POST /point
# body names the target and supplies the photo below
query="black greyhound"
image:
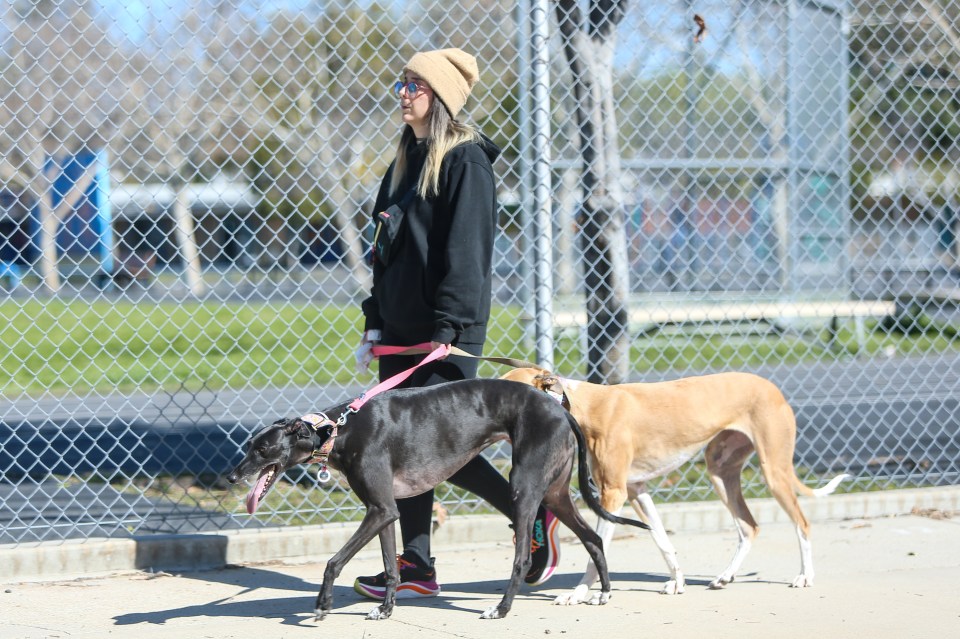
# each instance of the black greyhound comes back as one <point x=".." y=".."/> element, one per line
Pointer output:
<point x="404" y="442"/>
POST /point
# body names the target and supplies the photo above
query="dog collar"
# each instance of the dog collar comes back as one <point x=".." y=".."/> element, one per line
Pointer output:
<point x="316" y="421"/>
<point x="560" y="397"/>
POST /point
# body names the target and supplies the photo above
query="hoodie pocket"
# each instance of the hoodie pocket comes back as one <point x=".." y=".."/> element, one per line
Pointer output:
<point x="388" y="234"/>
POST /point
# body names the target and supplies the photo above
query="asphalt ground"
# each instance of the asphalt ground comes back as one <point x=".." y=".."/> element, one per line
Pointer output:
<point x="883" y="577"/>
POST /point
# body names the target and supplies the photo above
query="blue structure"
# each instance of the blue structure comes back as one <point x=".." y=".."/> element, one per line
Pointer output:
<point x="16" y="252"/>
<point x="87" y="228"/>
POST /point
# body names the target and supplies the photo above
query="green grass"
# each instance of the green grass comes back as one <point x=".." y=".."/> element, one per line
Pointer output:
<point x="58" y="346"/>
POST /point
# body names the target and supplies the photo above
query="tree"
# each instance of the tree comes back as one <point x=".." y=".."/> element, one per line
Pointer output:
<point x="316" y="89"/>
<point x="904" y="105"/>
<point x="588" y="44"/>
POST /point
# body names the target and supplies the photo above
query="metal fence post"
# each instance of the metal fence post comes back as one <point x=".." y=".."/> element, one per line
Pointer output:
<point x="543" y="224"/>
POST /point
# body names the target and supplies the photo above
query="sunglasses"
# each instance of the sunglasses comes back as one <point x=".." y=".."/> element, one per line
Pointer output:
<point x="412" y="88"/>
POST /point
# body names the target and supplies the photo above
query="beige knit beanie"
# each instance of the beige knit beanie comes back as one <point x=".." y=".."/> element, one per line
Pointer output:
<point x="451" y="73"/>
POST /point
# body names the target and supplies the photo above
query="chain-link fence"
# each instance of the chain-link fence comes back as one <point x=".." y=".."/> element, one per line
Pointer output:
<point x="186" y="189"/>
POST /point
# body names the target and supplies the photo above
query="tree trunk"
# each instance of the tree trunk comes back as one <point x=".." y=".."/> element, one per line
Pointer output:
<point x="588" y="46"/>
<point x="187" y="240"/>
<point x="330" y="172"/>
<point x="605" y="267"/>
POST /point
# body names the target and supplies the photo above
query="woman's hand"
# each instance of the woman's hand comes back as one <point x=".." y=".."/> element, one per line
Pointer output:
<point x="364" y="354"/>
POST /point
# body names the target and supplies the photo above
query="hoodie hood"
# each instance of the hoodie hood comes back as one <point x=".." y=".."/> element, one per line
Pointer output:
<point x="490" y="148"/>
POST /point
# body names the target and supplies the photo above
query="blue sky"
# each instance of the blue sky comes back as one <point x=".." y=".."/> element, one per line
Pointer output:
<point x="133" y="18"/>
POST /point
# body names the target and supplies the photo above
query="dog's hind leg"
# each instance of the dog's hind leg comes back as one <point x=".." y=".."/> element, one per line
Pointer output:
<point x="611" y="480"/>
<point x="642" y="502"/>
<point x="612" y="501"/>
<point x="581" y="594"/>
<point x="780" y="482"/>
<point x="776" y="461"/>
<point x="374" y="521"/>
<point x="725" y="457"/>
<point x="525" y="504"/>
<point x="561" y="503"/>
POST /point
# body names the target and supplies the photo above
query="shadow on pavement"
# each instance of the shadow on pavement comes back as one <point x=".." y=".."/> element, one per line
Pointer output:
<point x="298" y="610"/>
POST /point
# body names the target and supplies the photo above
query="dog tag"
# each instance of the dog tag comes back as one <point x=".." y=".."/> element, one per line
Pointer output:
<point x="323" y="475"/>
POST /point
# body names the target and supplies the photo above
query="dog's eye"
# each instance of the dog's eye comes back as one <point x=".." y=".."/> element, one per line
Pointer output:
<point x="262" y="451"/>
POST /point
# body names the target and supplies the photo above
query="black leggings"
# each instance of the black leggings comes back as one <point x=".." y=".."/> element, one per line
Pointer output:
<point x="478" y="476"/>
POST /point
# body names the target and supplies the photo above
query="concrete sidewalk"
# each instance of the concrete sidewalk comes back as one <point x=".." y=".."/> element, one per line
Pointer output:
<point x="879" y="577"/>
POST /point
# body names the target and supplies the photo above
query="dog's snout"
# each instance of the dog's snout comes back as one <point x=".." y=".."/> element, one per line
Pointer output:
<point x="233" y="477"/>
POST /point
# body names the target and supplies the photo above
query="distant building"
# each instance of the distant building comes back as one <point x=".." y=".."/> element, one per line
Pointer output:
<point x="225" y="221"/>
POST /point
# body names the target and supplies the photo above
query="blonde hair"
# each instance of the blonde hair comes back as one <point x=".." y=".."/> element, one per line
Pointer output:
<point x="445" y="134"/>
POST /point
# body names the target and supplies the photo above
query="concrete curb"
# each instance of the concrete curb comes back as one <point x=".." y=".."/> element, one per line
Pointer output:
<point x="204" y="551"/>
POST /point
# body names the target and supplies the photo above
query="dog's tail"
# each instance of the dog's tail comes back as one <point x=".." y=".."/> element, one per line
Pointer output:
<point x="823" y="491"/>
<point x="587" y="488"/>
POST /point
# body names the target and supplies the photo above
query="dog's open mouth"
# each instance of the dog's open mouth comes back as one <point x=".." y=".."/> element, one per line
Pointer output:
<point x="264" y="483"/>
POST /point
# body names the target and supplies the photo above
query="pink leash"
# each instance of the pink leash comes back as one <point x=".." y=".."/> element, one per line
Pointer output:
<point x="317" y="420"/>
<point x="387" y="384"/>
<point x="440" y="352"/>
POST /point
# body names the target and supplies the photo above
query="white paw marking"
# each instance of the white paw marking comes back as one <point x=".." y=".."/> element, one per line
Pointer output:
<point x="672" y="587"/>
<point x="377" y="614"/>
<point x="802" y="581"/>
<point x="578" y="595"/>
<point x="490" y="613"/>
<point x="720" y="583"/>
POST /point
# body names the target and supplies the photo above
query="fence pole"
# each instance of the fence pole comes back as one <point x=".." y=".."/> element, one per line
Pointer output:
<point x="527" y="229"/>
<point x="543" y="218"/>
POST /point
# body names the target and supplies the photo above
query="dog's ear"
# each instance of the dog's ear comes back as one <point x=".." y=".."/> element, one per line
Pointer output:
<point x="546" y="381"/>
<point x="298" y="427"/>
<point x="263" y="429"/>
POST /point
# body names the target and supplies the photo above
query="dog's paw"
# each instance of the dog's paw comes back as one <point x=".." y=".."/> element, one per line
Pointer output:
<point x="319" y="614"/>
<point x="576" y="596"/>
<point x="566" y="599"/>
<point x="802" y="581"/>
<point x="492" y="613"/>
<point x="600" y="599"/>
<point x="673" y="587"/>
<point x="378" y="613"/>
<point x="720" y="582"/>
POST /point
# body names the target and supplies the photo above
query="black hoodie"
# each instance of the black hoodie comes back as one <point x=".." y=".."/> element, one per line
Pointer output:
<point x="437" y="286"/>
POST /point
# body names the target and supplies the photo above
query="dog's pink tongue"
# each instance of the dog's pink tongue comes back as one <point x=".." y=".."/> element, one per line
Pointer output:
<point x="253" y="497"/>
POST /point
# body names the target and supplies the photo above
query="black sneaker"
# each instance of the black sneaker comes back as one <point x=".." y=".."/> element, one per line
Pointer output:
<point x="415" y="581"/>
<point x="544" y="548"/>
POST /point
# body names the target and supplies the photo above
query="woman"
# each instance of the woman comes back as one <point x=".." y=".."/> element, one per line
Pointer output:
<point x="432" y="283"/>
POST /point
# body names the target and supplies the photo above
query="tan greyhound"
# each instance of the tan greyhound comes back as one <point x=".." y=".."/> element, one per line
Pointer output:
<point x="638" y="432"/>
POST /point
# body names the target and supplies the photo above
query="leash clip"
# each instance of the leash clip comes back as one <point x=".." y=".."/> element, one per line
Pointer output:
<point x="342" y="420"/>
<point x="323" y="475"/>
